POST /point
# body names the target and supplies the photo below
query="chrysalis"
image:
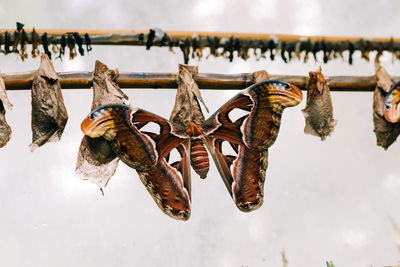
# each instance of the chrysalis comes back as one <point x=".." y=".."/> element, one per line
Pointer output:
<point x="318" y="112"/>
<point x="96" y="159"/>
<point x="49" y="115"/>
<point x="260" y="76"/>
<point x="386" y="132"/>
<point x="5" y="129"/>
<point x="186" y="110"/>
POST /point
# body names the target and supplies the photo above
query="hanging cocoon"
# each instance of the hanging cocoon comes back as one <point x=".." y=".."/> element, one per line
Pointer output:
<point x="259" y="76"/>
<point x="386" y="132"/>
<point x="318" y="112"/>
<point x="96" y="160"/>
<point x="5" y="129"/>
<point x="186" y="110"/>
<point x="49" y="115"/>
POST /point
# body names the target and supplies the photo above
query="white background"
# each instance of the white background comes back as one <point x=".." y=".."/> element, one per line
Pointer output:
<point x="335" y="200"/>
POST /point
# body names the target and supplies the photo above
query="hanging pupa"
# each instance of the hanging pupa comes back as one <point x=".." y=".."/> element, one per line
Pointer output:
<point x="259" y="76"/>
<point x="318" y="112"/>
<point x="49" y="115"/>
<point x="187" y="110"/>
<point x="5" y="129"/>
<point x="96" y="160"/>
<point x="386" y="132"/>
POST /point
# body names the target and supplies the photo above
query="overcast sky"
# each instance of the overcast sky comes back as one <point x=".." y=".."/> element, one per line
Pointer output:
<point x="334" y="200"/>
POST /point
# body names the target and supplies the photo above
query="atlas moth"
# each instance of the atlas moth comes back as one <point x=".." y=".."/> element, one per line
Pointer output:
<point x="249" y="136"/>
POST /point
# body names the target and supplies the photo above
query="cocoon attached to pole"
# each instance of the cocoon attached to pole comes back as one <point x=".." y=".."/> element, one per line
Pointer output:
<point x="49" y="115"/>
<point x="386" y="132"/>
<point x="96" y="160"/>
<point x="186" y="110"/>
<point x="319" y="111"/>
<point x="5" y="129"/>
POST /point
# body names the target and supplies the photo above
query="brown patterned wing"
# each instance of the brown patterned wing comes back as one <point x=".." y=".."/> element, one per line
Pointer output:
<point x="144" y="141"/>
<point x="242" y="172"/>
<point x="249" y="124"/>
<point x="126" y="128"/>
<point x="169" y="184"/>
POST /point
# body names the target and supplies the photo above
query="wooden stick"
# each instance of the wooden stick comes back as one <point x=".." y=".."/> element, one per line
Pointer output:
<point x="82" y="80"/>
<point x="139" y="38"/>
<point x="186" y="34"/>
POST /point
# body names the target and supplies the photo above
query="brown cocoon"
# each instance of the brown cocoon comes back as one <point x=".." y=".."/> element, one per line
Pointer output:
<point x="386" y="132"/>
<point x="5" y="129"/>
<point x="260" y="76"/>
<point x="187" y="108"/>
<point x="318" y="112"/>
<point x="96" y="159"/>
<point x="49" y="115"/>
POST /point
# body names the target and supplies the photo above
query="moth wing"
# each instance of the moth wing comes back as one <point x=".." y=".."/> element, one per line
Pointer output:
<point x="249" y="123"/>
<point x="242" y="169"/>
<point x="169" y="184"/>
<point x="243" y="174"/>
<point x="125" y="127"/>
<point x="146" y="150"/>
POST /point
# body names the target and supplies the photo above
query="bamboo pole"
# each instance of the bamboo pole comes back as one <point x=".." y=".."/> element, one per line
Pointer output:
<point x="139" y="38"/>
<point x="82" y="80"/>
<point x="229" y="45"/>
<point x="190" y="34"/>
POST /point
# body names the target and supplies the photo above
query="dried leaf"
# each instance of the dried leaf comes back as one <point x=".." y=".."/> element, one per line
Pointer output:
<point x="54" y="44"/>
<point x="185" y="47"/>
<point x="71" y="46"/>
<point x="386" y="132"/>
<point x="17" y="41"/>
<point x="24" y="40"/>
<point x="5" y="129"/>
<point x="228" y="49"/>
<point x="49" y="114"/>
<point x="45" y="44"/>
<point x="79" y="42"/>
<point x="150" y="39"/>
<point x="96" y="159"/>
<point x="35" y="43"/>
<point x="213" y="43"/>
<point x="7" y="42"/>
<point x="198" y="50"/>
<point x="187" y="109"/>
<point x="88" y="43"/>
<point x="63" y="44"/>
<point x="318" y="112"/>
<point x="244" y="49"/>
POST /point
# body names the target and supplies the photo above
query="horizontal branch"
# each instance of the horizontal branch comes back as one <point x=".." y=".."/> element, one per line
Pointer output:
<point x="82" y="80"/>
<point x="190" y="34"/>
<point x="229" y="45"/>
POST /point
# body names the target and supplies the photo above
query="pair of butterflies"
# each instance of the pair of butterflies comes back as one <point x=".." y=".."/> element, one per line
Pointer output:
<point x="250" y="135"/>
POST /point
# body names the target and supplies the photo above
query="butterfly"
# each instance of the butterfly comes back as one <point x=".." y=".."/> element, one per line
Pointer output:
<point x="392" y="108"/>
<point x="249" y="135"/>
